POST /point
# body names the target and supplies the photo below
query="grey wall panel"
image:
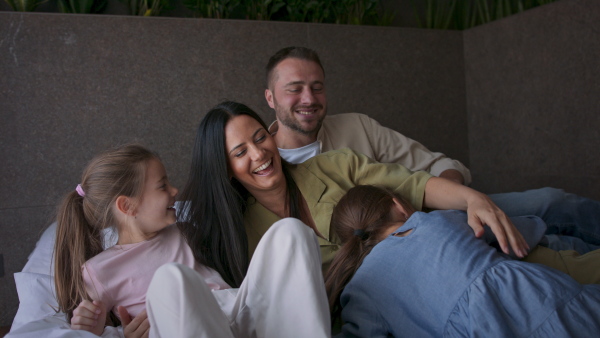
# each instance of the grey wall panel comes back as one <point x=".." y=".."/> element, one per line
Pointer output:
<point x="410" y="80"/>
<point x="534" y="99"/>
<point x="76" y="85"/>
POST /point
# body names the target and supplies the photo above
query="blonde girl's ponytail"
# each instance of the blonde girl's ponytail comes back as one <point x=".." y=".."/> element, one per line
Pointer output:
<point x="87" y="210"/>
<point x="76" y="242"/>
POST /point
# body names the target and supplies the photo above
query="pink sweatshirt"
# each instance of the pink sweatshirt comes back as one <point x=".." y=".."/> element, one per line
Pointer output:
<point x="121" y="274"/>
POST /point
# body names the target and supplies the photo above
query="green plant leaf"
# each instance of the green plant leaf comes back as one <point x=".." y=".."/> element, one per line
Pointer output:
<point x="24" y="5"/>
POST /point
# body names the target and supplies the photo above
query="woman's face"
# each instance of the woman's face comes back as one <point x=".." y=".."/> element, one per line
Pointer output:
<point x="252" y="155"/>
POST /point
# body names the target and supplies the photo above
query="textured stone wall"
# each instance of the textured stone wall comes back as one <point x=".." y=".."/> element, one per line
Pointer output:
<point x="533" y="99"/>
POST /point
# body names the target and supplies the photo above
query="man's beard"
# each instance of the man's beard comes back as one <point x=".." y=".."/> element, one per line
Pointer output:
<point x="287" y="119"/>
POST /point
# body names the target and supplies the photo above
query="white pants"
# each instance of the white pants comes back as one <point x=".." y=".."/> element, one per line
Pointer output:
<point x="283" y="294"/>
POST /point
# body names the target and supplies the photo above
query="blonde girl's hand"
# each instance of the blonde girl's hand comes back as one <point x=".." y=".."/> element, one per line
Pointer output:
<point x="137" y="327"/>
<point x="89" y="316"/>
<point x="482" y="211"/>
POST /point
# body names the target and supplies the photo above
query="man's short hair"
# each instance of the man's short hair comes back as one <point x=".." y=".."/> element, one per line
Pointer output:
<point x="301" y="53"/>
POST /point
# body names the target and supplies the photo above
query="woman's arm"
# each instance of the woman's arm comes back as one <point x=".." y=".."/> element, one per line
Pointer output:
<point x="445" y="194"/>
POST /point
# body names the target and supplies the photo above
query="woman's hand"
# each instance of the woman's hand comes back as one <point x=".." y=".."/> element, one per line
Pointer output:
<point x="136" y="327"/>
<point x="482" y="211"/>
<point x="89" y="316"/>
<point x="445" y="194"/>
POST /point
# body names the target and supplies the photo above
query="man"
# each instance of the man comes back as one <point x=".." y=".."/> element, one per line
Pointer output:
<point x="296" y="91"/>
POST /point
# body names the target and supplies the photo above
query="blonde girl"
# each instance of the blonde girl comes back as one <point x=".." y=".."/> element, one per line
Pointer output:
<point x="127" y="189"/>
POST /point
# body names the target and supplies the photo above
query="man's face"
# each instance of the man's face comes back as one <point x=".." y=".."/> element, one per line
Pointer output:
<point x="297" y="93"/>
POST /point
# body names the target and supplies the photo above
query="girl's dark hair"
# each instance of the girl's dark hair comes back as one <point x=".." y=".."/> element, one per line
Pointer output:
<point x="212" y="216"/>
<point x="360" y="220"/>
<point x="81" y="219"/>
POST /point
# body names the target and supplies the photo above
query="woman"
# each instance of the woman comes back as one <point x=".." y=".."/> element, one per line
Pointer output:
<point x="395" y="258"/>
<point x="238" y="176"/>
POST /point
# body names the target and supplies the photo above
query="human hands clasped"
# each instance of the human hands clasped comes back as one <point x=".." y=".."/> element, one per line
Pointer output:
<point x="89" y="316"/>
<point x="482" y="211"/>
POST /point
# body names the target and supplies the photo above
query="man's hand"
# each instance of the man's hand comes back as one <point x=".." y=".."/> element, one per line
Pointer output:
<point x="89" y="316"/>
<point x="134" y="327"/>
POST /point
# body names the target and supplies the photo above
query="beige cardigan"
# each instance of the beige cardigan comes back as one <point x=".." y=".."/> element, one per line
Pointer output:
<point x="366" y="136"/>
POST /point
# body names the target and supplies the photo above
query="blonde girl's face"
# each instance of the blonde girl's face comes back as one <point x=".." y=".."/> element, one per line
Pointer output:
<point x="155" y="208"/>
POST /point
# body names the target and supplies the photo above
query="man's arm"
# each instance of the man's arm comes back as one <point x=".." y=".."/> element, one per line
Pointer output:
<point x="390" y="146"/>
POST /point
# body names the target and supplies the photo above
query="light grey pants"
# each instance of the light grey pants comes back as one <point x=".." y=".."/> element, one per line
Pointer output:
<point x="283" y="294"/>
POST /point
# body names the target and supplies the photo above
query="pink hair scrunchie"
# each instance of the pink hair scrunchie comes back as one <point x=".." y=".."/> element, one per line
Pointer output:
<point x="79" y="190"/>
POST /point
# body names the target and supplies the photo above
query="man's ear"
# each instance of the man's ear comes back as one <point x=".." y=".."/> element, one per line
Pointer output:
<point x="125" y="205"/>
<point x="405" y="210"/>
<point x="269" y="97"/>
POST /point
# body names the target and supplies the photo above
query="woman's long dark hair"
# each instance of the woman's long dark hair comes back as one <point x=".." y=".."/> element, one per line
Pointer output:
<point x="212" y="213"/>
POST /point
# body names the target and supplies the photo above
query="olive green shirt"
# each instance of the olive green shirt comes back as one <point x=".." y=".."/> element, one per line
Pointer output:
<point x="323" y="180"/>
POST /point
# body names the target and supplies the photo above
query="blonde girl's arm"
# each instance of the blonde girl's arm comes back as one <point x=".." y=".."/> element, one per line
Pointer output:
<point x="89" y="316"/>
<point x="445" y="194"/>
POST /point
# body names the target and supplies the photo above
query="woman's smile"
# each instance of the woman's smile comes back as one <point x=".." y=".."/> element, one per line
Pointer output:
<point x="264" y="169"/>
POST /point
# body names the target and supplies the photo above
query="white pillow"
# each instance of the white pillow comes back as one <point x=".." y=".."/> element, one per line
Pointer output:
<point x="40" y="260"/>
<point x="37" y="315"/>
<point x="36" y="297"/>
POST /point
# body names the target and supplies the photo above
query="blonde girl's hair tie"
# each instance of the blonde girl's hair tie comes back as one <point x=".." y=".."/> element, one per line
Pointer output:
<point x="79" y="190"/>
